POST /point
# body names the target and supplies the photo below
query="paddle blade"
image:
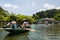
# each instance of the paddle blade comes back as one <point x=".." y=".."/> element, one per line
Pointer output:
<point x="29" y="29"/>
<point x="32" y="30"/>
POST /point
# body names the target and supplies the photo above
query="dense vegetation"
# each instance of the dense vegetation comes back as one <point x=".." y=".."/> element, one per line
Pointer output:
<point x="5" y="16"/>
<point x="52" y="13"/>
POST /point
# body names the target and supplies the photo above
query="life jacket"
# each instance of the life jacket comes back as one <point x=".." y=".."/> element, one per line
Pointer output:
<point x="14" y="26"/>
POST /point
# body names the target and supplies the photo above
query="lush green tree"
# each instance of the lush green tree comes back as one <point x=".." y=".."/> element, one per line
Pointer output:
<point x="57" y="17"/>
<point x="2" y="18"/>
<point x="39" y="15"/>
<point x="12" y="16"/>
<point x="35" y="16"/>
<point x="31" y="20"/>
<point x="48" y="13"/>
<point x="3" y="12"/>
<point x="51" y="13"/>
<point x="20" y="17"/>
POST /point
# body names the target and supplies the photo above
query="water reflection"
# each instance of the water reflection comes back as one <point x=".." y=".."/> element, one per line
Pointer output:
<point x="21" y="36"/>
<point x="3" y="34"/>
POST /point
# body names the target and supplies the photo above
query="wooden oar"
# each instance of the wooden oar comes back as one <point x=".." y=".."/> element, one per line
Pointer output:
<point x="30" y="29"/>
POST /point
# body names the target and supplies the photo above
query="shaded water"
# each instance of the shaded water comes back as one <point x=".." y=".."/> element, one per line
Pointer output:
<point x="43" y="32"/>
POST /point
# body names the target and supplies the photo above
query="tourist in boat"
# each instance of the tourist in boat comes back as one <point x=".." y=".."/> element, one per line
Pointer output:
<point x="25" y="24"/>
<point x="13" y="24"/>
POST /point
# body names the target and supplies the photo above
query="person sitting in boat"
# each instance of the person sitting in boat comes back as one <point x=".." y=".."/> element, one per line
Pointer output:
<point x="14" y="26"/>
<point x="8" y="24"/>
<point x="25" y="24"/>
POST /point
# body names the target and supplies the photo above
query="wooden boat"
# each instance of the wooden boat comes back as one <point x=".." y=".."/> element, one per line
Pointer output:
<point x="18" y="30"/>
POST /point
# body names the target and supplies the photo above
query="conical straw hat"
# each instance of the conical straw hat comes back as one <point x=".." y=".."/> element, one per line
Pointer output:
<point x="13" y="22"/>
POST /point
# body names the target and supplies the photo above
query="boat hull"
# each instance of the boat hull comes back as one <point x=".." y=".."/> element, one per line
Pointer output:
<point x="14" y="31"/>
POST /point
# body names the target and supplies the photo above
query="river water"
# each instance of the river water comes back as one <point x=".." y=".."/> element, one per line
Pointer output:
<point x="42" y="32"/>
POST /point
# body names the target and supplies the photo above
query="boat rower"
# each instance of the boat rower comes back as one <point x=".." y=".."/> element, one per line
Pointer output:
<point x="25" y="24"/>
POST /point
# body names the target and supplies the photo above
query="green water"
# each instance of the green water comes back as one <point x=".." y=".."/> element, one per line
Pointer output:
<point x="43" y="32"/>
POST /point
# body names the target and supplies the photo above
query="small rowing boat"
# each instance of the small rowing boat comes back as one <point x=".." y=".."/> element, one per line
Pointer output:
<point x="15" y="30"/>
